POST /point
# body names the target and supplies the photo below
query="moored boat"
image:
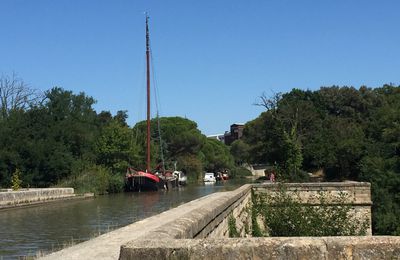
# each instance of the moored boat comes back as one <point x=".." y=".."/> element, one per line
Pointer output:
<point x="182" y="178"/>
<point x="209" y="177"/>
<point x="148" y="180"/>
<point x="142" y="181"/>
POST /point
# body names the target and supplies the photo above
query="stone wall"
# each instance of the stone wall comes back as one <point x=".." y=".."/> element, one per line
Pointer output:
<point x="199" y="218"/>
<point x="210" y="219"/>
<point x="170" y="241"/>
<point x="257" y="170"/>
<point x="358" y="195"/>
<point x="169" y="235"/>
<point x="24" y="197"/>
<point x="241" y="212"/>
<point x="265" y="248"/>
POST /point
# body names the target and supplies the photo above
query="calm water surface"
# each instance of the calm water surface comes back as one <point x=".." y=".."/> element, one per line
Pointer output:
<point x="48" y="227"/>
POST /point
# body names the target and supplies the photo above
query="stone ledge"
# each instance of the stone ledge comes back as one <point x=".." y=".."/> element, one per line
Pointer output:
<point x="310" y="185"/>
<point x="201" y="220"/>
<point x="47" y="201"/>
<point x="385" y="247"/>
<point x="32" y="196"/>
<point x="358" y="192"/>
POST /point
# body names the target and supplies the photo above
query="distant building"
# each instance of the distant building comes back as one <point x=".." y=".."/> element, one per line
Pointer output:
<point x="219" y="137"/>
<point x="235" y="134"/>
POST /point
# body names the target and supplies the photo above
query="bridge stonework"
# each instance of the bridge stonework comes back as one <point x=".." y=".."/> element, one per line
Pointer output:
<point x="357" y="194"/>
<point x="200" y="229"/>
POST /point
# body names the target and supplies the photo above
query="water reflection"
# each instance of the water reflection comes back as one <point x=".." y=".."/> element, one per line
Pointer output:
<point x="48" y="227"/>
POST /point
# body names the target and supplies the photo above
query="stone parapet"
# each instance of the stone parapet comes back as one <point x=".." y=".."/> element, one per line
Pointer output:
<point x="385" y="247"/>
<point x="358" y="193"/>
<point x="204" y="220"/>
<point x="24" y="197"/>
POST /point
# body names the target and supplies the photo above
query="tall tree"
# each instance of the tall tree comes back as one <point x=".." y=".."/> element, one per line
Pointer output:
<point x="15" y="94"/>
<point x="115" y="147"/>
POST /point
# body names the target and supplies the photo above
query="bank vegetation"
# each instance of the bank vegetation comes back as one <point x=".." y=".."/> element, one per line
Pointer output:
<point x="57" y="138"/>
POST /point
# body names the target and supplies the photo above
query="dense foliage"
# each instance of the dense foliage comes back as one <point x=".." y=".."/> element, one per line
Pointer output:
<point x="284" y="214"/>
<point x="350" y="134"/>
<point x="57" y="138"/>
<point x="182" y="146"/>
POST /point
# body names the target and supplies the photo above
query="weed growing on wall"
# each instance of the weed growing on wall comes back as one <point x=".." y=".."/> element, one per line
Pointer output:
<point x="255" y="230"/>
<point x="284" y="214"/>
<point x="232" y="227"/>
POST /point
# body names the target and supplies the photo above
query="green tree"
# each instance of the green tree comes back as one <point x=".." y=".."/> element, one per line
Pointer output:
<point x="352" y="134"/>
<point x="216" y="156"/>
<point x="115" y="147"/>
<point x="180" y="142"/>
<point x="240" y="152"/>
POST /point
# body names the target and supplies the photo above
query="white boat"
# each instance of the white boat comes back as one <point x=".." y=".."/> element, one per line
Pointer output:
<point x="181" y="176"/>
<point x="209" y="177"/>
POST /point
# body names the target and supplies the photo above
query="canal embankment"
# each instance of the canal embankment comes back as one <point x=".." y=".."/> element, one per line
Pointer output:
<point x="29" y="197"/>
<point x="188" y="220"/>
<point x="200" y="229"/>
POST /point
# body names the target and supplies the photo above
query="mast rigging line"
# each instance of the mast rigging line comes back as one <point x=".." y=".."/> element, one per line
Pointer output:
<point x="150" y="72"/>
<point x="158" y="106"/>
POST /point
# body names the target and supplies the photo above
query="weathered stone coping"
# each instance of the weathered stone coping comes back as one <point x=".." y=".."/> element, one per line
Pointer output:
<point x="202" y="220"/>
<point x="384" y="247"/>
<point x="317" y="184"/>
<point x="22" y="198"/>
<point x="359" y="193"/>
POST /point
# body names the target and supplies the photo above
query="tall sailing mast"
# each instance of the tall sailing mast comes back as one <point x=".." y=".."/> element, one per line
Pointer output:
<point x="148" y="91"/>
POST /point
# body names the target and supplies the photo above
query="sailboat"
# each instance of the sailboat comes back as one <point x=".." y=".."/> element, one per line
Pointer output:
<point x="147" y="180"/>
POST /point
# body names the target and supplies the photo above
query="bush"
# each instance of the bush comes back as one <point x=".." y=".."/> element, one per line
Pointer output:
<point x="101" y="176"/>
<point x="16" y="180"/>
<point x="192" y="166"/>
<point x="285" y="215"/>
<point x="95" y="179"/>
<point x="286" y="175"/>
<point x="116" y="183"/>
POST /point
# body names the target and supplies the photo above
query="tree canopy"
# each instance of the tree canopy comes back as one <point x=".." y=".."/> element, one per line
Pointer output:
<point x="57" y="138"/>
<point x="62" y="139"/>
<point x="349" y="133"/>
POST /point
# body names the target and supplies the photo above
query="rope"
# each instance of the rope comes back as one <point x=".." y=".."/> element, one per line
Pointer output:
<point x="156" y="98"/>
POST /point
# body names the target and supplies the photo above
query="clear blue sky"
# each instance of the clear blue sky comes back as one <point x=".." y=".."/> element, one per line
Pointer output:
<point x="212" y="58"/>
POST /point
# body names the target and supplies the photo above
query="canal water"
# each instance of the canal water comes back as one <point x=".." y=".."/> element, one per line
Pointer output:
<point x="49" y="227"/>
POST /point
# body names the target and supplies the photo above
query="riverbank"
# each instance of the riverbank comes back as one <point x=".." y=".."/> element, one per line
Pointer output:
<point x="31" y="197"/>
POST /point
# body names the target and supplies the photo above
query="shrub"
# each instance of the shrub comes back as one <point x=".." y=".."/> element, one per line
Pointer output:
<point x="116" y="183"/>
<point x="95" y="179"/>
<point x="102" y="180"/>
<point x="16" y="180"/>
<point x="285" y="215"/>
